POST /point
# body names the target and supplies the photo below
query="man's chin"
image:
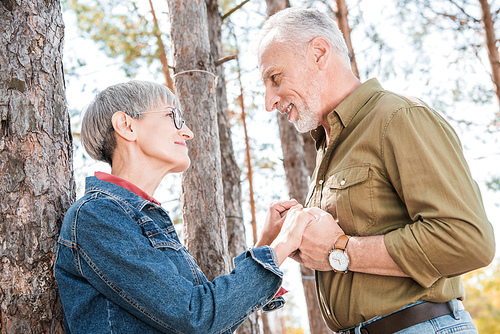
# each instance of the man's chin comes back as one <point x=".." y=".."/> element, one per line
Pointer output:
<point x="303" y="129"/>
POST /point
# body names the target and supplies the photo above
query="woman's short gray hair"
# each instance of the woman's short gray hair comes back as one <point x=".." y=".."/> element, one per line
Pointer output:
<point x="296" y="27"/>
<point x="132" y="98"/>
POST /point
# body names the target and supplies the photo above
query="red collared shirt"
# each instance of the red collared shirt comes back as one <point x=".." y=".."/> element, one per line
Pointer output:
<point x="125" y="184"/>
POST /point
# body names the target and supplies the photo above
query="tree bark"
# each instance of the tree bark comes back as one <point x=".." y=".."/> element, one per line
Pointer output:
<point x="36" y="172"/>
<point x="205" y="231"/>
<point x="343" y="22"/>
<point x="491" y="45"/>
<point x="274" y="6"/>
<point x="230" y="170"/>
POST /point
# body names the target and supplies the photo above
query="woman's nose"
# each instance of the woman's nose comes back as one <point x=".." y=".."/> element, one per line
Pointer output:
<point x="186" y="132"/>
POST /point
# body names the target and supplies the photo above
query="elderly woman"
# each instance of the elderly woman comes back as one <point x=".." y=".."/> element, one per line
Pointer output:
<point x="120" y="266"/>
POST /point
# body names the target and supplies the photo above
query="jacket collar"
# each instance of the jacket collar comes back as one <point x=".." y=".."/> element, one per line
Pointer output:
<point x="93" y="184"/>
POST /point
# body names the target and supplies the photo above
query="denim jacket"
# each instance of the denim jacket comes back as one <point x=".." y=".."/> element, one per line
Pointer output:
<point x="121" y="268"/>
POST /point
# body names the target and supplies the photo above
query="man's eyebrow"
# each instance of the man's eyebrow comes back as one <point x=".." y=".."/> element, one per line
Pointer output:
<point x="267" y="74"/>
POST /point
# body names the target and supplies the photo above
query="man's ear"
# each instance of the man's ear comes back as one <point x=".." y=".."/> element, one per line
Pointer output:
<point x="319" y="52"/>
<point x="123" y="126"/>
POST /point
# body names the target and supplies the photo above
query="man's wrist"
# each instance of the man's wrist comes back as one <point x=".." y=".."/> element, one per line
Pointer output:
<point x="338" y="258"/>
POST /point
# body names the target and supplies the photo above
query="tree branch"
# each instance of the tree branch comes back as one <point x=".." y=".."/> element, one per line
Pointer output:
<point x="225" y="59"/>
<point x="225" y="16"/>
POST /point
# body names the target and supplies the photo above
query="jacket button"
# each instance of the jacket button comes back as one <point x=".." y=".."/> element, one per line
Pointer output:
<point x="342" y="182"/>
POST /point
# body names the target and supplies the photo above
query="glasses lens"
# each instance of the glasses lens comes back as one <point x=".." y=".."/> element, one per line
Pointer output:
<point x="178" y="121"/>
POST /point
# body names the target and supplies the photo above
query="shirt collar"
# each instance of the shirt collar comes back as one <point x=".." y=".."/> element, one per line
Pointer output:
<point x="125" y="184"/>
<point x="349" y="107"/>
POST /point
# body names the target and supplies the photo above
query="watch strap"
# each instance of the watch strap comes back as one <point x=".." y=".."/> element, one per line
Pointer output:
<point x="341" y="242"/>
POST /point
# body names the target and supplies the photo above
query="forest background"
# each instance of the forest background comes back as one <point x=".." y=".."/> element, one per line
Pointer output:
<point x="432" y="49"/>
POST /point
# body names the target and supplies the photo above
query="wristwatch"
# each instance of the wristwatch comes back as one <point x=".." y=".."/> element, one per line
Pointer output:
<point x="338" y="256"/>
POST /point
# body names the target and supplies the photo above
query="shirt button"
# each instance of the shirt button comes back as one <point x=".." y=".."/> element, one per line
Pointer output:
<point x="321" y="181"/>
<point x="342" y="182"/>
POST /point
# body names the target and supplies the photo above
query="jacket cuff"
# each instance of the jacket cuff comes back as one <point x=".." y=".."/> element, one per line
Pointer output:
<point x="274" y="304"/>
<point x="265" y="256"/>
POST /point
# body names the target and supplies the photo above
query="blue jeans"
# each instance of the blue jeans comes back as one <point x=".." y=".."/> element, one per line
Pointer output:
<point x="459" y="321"/>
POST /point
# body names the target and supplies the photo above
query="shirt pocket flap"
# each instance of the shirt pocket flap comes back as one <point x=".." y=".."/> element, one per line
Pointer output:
<point x="158" y="237"/>
<point x="347" y="177"/>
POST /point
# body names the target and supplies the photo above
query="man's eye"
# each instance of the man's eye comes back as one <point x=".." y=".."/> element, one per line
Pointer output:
<point x="273" y="78"/>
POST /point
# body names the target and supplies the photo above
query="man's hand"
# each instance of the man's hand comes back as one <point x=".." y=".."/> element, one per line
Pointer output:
<point x="274" y="221"/>
<point x="317" y="241"/>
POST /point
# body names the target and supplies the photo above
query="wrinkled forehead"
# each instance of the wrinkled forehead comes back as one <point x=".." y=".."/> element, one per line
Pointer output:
<point x="265" y="43"/>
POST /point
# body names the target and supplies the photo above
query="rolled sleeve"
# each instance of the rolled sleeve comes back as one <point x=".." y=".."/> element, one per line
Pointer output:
<point x="448" y="233"/>
<point x="266" y="257"/>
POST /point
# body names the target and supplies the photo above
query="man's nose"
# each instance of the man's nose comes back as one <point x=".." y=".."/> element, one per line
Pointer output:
<point x="272" y="99"/>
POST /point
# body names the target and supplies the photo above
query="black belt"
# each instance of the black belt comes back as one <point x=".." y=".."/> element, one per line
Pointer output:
<point x="405" y="318"/>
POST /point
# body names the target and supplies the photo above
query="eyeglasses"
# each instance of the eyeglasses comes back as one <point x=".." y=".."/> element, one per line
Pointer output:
<point x="176" y="116"/>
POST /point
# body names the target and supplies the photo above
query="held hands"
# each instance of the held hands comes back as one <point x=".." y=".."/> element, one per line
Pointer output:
<point x="274" y="220"/>
<point x="317" y="241"/>
<point x="306" y="235"/>
<point x="289" y="237"/>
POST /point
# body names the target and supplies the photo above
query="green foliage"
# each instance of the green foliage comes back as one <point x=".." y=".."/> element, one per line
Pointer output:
<point x="121" y="29"/>
<point x="494" y="184"/>
<point x="456" y="23"/>
<point x="483" y="297"/>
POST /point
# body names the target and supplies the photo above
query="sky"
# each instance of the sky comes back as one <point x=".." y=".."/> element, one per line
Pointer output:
<point x="483" y="157"/>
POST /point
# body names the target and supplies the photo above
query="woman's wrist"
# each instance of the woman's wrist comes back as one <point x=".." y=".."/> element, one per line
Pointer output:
<point x="282" y="250"/>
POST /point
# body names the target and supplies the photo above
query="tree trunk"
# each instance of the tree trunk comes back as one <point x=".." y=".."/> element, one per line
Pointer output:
<point x="297" y="182"/>
<point x="205" y="231"/>
<point x="36" y="171"/>
<point x="343" y="23"/>
<point x="274" y="6"/>
<point x="491" y="45"/>
<point x="230" y="170"/>
<point x="309" y="152"/>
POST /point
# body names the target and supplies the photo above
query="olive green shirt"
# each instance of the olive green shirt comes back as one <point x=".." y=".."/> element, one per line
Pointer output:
<point x="394" y="166"/>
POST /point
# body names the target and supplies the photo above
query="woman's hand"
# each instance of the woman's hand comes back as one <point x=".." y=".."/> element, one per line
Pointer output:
<point x="290" y="236"/>
<point x="274" y="220"/>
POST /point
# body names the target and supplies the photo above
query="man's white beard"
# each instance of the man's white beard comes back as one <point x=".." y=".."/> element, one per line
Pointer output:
<point x="307" y="121"/>
<point x="308" y="118"/>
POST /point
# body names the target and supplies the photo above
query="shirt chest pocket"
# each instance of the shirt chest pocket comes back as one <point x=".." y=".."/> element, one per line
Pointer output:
<point x="348" y="195"/>
<point x="166" y="240"/>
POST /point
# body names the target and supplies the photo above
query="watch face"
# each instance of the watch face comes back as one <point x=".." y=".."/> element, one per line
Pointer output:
<point x="338" y="260"/>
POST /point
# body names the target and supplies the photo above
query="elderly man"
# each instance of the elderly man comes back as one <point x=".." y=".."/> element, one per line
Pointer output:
<point x="406" y="218"/>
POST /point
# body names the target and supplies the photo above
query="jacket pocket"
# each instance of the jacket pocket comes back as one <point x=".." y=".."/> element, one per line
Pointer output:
<point x="350" y="196"/>
<point x="158" y="237"/>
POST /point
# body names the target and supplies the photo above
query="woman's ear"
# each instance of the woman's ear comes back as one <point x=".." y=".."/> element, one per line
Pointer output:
<point x="123" y="126"/>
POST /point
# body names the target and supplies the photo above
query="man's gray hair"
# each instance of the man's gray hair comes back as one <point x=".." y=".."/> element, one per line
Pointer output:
<point x="132" y="98"/>
<point x="296" y="27"/>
